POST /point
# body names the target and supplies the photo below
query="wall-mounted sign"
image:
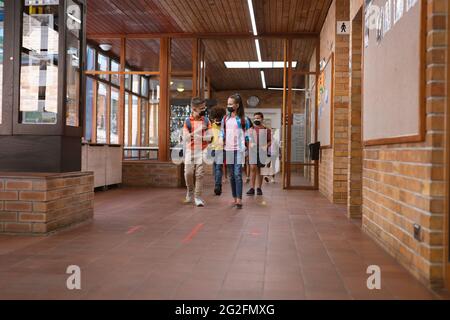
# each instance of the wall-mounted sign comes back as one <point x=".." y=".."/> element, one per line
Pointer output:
<point x="343" y="28"/>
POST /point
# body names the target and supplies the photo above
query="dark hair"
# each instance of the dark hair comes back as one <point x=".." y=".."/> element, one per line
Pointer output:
<point x="241" y="110"/>
<point x="259" y="114"/>
<point x="197" y="101"/>
<point x="217" y="113"/>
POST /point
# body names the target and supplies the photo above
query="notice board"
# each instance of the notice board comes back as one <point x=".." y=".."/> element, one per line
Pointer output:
<point x="325" y="96"/>
<point x="393" y="73"/>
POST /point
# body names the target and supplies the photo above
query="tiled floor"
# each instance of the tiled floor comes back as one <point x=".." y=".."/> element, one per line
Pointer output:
<point x="145" y="244"/>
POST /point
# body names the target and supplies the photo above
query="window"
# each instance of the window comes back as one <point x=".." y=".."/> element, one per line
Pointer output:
<point x="90" y="58"/>
<point x="127" y="129"/>
<point x="144" y="106"/>
<point x="115" y="77"/>
<point x="73" y="58"/>
<point x="136" y="83"/>
<point x="127" y="80"/>
<point x="39" y="64"/>
<point x="154" y="106"/>
<point x="89" y="108"/>
<point x="153" y="125"/>
<point x="102" y="96"/>
<point x="114" y="137"/>
<point x="144" y="87"/>
<point x="134" y="121"/>
<point x="103" y="65"/>
<point x="2" y="14"/>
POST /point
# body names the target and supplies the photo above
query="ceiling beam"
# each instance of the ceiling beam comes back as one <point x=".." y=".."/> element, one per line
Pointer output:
<point x="212" y="35"/>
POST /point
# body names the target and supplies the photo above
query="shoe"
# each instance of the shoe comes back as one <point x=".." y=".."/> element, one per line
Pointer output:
<point x="238" y="205"/>
<point x="188" y="199"/>
<point x="218" y="190"/>
<point x="266" y="179"/>
<point x="199" y="202"/>
<point x="259" y="192"/>
<point x="251" y="192"/>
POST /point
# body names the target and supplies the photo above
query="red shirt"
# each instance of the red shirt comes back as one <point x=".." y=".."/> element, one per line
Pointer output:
<point x="255" y="136"/>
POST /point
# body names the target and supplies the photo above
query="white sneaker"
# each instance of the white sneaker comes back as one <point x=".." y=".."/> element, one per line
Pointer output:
<point x="199" y="202"/>
<point x="188" y="198"/>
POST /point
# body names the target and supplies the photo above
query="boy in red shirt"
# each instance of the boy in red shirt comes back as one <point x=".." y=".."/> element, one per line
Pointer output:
<point x="196" y="137"/>
<point x="260" y="142"/>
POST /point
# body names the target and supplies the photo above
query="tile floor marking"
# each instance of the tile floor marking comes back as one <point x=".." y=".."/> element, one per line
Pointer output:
<point x="192" y="234"/>
<point x="133" y="229"/>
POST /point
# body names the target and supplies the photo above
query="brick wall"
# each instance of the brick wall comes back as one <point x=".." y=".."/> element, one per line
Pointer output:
<point x="152" y="174"/>
<point x="354" y="201"/>
<point x="403" y="184"/>
<point x="333" y="168"/>
<point x="40" y="203"/>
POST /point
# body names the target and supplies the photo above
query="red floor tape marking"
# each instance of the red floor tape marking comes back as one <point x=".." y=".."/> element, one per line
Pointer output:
<point x="133" y="229"/>
<point x="193" y="233"/>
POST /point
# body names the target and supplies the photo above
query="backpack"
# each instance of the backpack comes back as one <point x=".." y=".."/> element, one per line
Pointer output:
<point x="189" y="124"/>
<point x="189" y="127"/>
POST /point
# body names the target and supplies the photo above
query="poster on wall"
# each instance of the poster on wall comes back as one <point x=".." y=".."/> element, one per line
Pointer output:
<point x="325" y="103"/>
<point x="392" y="89"/>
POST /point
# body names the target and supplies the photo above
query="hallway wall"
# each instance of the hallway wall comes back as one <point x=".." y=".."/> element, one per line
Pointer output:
<point x="333" y="165"/>
<point x="268" y="98"/>
<point x="403" y="183"/>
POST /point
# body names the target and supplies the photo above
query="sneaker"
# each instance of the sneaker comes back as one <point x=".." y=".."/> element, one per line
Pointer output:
<point x="266" y="179"/>
<point x="199" y="202"/>
<point x="251" y="192"/>
<point x="218" y="190"/>
<point x="259" y="192"/>
<point x="188" y="198"/>
<point x="239" y="205"/>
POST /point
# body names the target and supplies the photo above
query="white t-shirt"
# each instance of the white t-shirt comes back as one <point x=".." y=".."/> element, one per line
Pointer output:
<point x="232" y="134"/>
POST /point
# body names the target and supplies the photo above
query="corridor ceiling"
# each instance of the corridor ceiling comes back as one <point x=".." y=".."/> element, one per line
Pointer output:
<point x="206" y="17"/>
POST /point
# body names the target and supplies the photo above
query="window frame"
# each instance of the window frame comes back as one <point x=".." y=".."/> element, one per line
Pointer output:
<point x="13" y="48"/>
<point x="110" y="85"/>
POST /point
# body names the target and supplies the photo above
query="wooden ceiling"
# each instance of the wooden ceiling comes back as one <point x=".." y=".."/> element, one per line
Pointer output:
<point x="209" y="16"/>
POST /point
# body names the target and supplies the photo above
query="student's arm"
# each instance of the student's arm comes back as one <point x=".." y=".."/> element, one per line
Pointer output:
<point x="208" y="133"/>
<point x="186" y="134"/>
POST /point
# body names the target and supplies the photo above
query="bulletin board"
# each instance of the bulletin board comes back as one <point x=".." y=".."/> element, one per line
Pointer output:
<point x="325" y="112"/>
<point x="393" y="73"/>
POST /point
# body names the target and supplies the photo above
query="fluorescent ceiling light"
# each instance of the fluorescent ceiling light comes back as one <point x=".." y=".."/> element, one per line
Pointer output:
<point x="260" y="64"/>
<point x="278" y="64"/>
<point x="258" y="50"/>
<point x="252" y="16"/>
<point x="257" y="64"/>
<point x="237" y="64"/>
<point x="294" y="89"/>
<point x="263" y="78"/>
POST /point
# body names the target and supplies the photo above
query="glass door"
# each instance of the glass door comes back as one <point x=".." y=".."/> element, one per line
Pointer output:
<point x="300" y="167"/>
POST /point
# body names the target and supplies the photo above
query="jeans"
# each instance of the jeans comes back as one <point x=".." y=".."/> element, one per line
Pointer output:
<point x="234" y="166"/>
<point x="218" y="172"/>
<point x="218" y="167"/>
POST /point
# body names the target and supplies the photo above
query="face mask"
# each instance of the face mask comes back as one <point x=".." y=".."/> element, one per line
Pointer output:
<point x="257" y="122"/>
<point x="230" y="109"/>
<point x="202" y="113"/>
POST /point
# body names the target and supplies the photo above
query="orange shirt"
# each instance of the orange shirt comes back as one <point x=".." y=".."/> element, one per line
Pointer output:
<point x="198" y="132"/>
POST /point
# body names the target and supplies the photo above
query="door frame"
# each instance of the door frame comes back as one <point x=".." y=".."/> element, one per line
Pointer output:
<point x="287" y="117"/>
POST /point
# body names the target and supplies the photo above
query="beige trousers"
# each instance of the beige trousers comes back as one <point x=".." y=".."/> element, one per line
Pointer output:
<point x="197" y="171"/>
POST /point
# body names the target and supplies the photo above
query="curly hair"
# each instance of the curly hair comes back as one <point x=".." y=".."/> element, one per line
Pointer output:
<point x="217" y="113"/>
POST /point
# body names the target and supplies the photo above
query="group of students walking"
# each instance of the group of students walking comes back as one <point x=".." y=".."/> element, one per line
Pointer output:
<point x="232" y="140"/>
